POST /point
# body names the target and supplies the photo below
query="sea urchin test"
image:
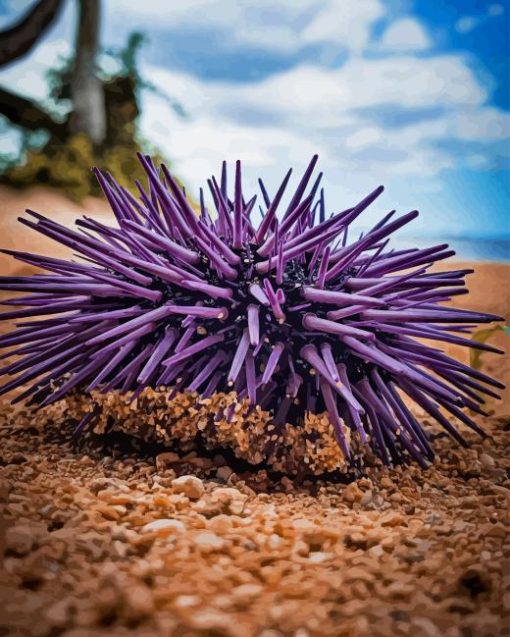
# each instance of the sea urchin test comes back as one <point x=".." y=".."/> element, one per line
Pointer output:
<point x="292" y="313"/>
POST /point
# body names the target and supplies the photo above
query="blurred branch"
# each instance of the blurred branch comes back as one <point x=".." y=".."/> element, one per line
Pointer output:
<point x="20" y="38"/>
<point x="23" y="112"/>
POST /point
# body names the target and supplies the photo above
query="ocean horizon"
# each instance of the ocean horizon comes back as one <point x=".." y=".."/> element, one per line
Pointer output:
<point x="469" y="249"/>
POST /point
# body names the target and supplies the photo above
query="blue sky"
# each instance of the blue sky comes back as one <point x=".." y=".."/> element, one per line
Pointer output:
<point x="413" y="94"/>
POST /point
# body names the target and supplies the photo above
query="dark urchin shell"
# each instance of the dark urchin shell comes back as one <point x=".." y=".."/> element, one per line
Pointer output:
<point x="288" y="313"/>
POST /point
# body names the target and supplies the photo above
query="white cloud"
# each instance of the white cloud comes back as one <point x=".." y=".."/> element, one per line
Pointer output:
<point x="286" y="25"/>
<point x="28" y="76"/>
<point x="496" y="9"/>
<point x="364" y="138"/>
<point x="486" y="124"/>
<point x="344" y="21"/>
<point x="307" y="110"/>
<point x="467" y="24"/>
<point x="327" y="97"/>
<point x="405" y="35"/>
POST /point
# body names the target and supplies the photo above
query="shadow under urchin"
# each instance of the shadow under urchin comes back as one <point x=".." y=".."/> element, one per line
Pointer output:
<point x="290" y="313"/>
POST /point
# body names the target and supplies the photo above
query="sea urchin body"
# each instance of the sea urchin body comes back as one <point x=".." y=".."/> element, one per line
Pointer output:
<point x="288" y="313"/>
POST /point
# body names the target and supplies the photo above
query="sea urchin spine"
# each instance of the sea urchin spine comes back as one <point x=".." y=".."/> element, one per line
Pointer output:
<point x="288" y="313"/>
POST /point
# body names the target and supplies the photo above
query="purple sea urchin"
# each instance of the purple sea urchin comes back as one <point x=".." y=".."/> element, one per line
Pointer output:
<point x="287" y="313"/>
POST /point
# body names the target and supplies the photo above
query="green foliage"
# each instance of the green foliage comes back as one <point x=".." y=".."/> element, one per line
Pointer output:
<point x="67" y="166"/>
<point x="123" y="62"/>
<point x="475" y="355"/>
<point x="65" y="163"/>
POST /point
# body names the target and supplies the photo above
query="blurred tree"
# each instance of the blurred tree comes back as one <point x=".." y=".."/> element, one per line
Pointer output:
<point x="21" y="37"/>
<point x="15" y="42"/>
<point x="88" y="115"/>
<point x="94" y="113"/>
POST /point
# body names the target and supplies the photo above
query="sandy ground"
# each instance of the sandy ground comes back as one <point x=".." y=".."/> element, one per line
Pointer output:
<point x="14" y="236"/>
<point x="99" y="538"/>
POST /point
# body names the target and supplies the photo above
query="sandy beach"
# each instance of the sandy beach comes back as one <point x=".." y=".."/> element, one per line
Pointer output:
<point x="100" y="538"/>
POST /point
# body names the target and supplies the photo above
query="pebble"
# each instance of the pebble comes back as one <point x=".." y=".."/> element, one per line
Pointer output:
<point x="221" y="523"/>
<point x="59" y="613"/>
<point x="387" y="483"/>
<point x="186" y="601"/>
<point x="209" y="541"/>
<point x="318" y="557"/>
<point x="166" y="459"/>
<point x="367" y="499"/>
<point x="301" y="548"/>
<point x="190" y="486"/>
<point x="231" y="498"/>
<point x="19" y="539"/>
<point x="424" y="627"/>
<point x="487" y="461"/>
<point x="387" y="554"/>
<point x="215" y="621"/>
<point x="301" y="524"/>
<point x="138" y="601"/>
<point x="224" y="473"/>
<point x="247" y="591"/>
<point x="393" y="519"/>
<point x="376" y="551"/>
<point x="352" y="493"/>
<point x="164" y="526"/>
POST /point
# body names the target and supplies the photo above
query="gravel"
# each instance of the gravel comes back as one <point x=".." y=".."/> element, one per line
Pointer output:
<point x="111" y="540"/>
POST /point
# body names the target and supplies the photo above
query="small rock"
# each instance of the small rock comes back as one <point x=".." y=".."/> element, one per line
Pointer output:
<point x="287" y="484"/>
<point x="19" y="539"/>
<point x="224" y="473"/>
<point x="367" y="498"/>
<point x="318" y="557"/>
<point x="246" y="592"/>
<point x="433" y="519"/>
<point x="209" y="541"/>
<point x="139" y="602"/>
<point x="191" y="486"/>
<point x="301" y="548"/>
<point x="400" y="589"/>
<point x="487" y="461"/>
<point x="214" y="622"/>
<point x="301" y="524"/>
<point x="17" y="458"/>
<point x="274" y="541"/>
<point x="200" y="462"/>
<point x="496" y="530"/>
<point x="58" y="614"/>
<point x="387" y="483"/>
<point x="424" y="627"/>
<point x="393" y="519"/>
<point x="164" y="526"/>
<point x="186" y="601"/>
<point x="164" y="460"/>
<point x="352" y="493"/>
<point x="232" y="499"/>
<point x="376" y="551"/>
<point x="220" y="523"/>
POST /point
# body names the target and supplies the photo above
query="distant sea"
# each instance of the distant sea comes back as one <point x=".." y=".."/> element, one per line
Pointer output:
<point x="466" y="249"/>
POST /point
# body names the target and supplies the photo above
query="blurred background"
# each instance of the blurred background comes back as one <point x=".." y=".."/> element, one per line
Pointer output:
<point x="412" y="94"/>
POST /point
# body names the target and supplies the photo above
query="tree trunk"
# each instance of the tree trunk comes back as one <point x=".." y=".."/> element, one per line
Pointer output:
<point x="87" y="93"/>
